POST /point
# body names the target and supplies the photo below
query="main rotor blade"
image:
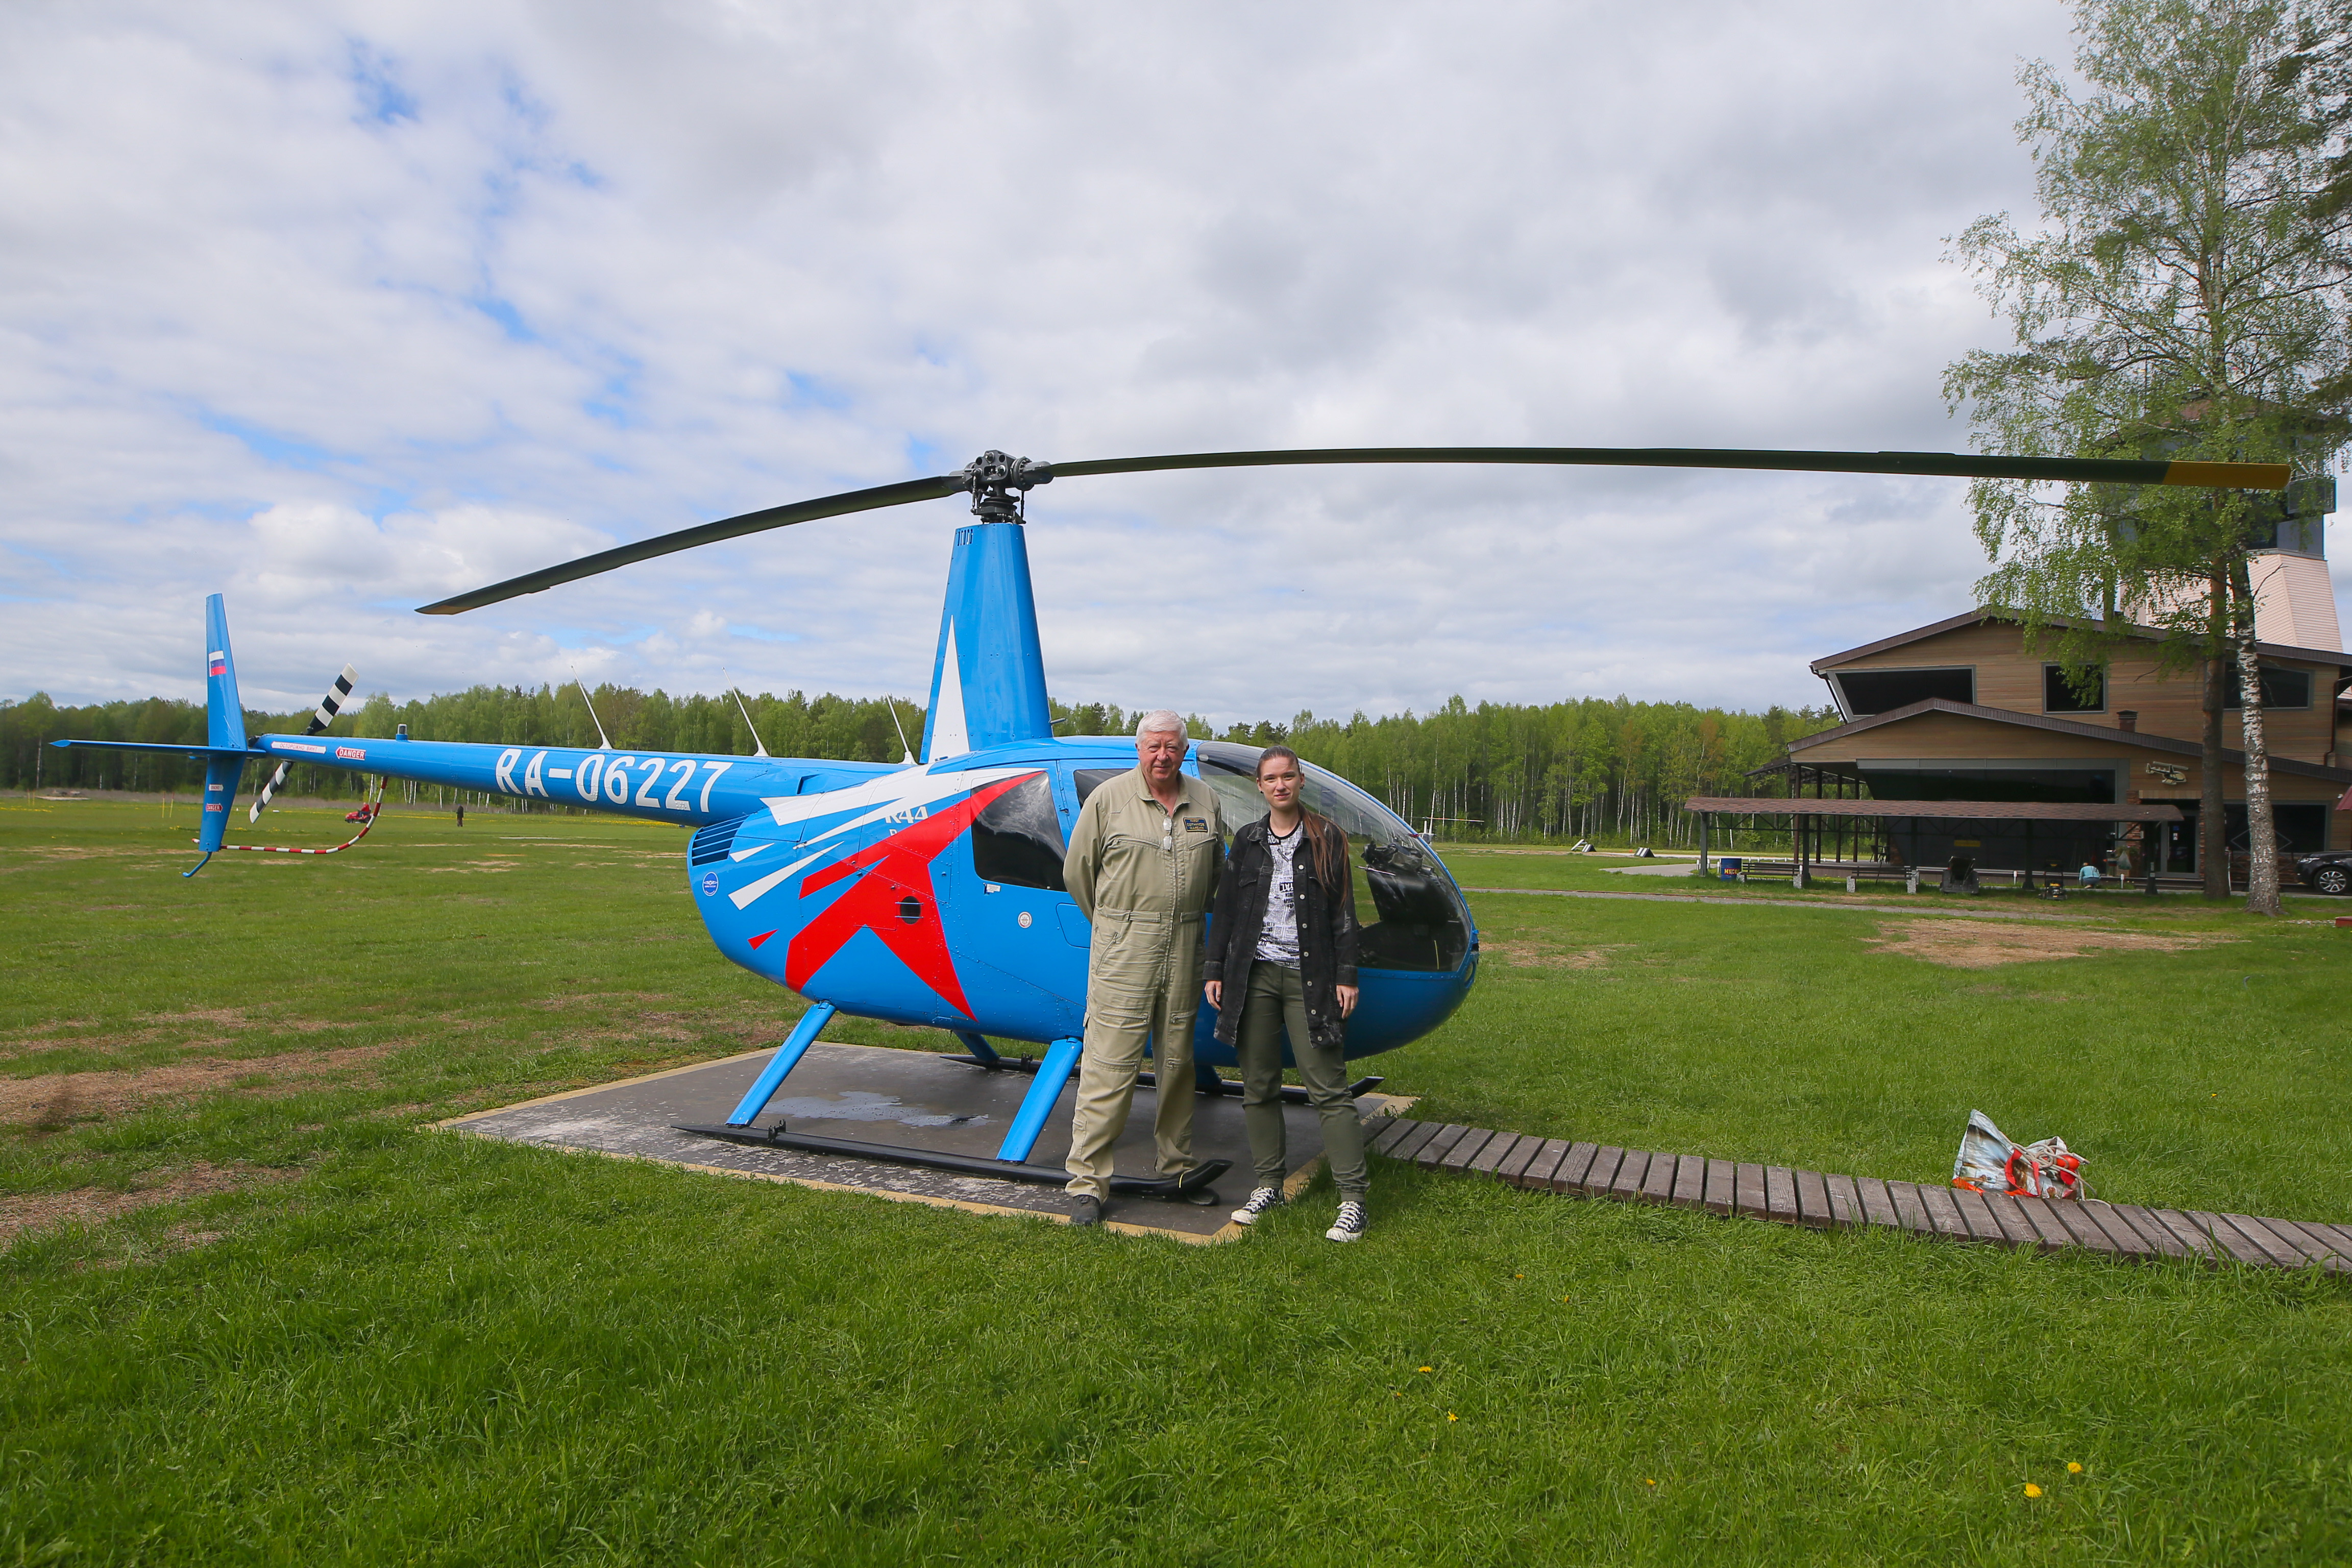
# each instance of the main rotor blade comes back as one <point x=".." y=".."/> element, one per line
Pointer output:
<point x="898" y="494"/>
<point x="1950" y="465"/>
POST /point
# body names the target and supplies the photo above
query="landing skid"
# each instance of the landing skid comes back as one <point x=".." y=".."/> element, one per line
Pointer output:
<point x="1179" y="1190"/>
<point x="1292" y="1093"/>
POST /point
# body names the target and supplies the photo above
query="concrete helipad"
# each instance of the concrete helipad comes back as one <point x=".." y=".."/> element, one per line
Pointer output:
<point x="876" y="1094"/>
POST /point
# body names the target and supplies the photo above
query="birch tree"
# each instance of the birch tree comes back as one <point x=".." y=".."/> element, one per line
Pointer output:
<point x="2181" y="297"/>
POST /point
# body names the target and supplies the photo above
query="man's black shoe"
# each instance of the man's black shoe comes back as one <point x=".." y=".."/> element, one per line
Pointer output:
<point x="1087" y="1210"/>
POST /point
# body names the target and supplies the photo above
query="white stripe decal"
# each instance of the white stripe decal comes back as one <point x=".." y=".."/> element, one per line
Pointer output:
<point x="745" y="898"/>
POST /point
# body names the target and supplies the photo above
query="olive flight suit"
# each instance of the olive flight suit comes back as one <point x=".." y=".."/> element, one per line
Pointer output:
<point x="1144" y="876"/>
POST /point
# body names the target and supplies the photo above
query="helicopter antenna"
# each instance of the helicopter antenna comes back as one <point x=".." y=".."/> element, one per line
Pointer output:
<point x="908" y="760"/>
<point x="603" y="745"/>
<point x="759" y="747"/>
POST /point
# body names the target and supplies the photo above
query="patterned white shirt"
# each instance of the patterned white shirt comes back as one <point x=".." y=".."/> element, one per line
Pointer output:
<point x="1277" y="938"/>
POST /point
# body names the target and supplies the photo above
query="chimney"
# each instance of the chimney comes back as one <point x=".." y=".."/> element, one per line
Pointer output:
<point x="2129" y="719"/>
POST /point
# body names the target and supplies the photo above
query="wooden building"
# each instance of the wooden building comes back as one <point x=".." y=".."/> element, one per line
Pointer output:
<point x="1966" y="710"/>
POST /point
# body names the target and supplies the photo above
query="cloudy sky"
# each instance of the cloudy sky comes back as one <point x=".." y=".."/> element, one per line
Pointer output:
<point x="341" y="308"/>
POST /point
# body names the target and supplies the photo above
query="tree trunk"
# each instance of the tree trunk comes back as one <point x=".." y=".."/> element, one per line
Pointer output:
<point x="2212" y="819"/>
<point x="2262" y="834"/>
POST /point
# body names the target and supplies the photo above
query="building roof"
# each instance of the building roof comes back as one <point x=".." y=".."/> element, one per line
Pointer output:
<point x="1972" y="810"/>
<point x="1967" y="618"/>
<point x="2138" y="739"/>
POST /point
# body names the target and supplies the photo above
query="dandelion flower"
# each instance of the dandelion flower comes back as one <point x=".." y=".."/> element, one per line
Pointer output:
<point x="2032" y="1490"/>
<point x="2073" y="1468"/>
<point x="1518" y="1276"/>
<point x="1425" y="1369"/>
<point x="1647" y="1481"/>
<point x="1450" y="1417"/>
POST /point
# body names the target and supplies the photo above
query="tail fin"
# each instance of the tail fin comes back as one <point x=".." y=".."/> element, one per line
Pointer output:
<point x="224" y="729"/>
<point x="223" y="714"/>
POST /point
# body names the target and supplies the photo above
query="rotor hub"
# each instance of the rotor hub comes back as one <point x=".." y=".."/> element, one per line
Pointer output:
<point x="999" y="484"/>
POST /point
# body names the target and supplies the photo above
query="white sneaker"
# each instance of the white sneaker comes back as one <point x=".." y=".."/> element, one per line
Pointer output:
<point x="1261" y="1199"/>
<point x="1349" y="1225"/>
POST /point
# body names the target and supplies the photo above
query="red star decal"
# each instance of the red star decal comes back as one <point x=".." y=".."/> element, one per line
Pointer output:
<point x="898" y="881"/>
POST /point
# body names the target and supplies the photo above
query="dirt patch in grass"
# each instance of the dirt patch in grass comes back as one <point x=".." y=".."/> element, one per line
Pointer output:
<point x="1544" y="955"/>
<point x="57" y="1100"/>
<point x="1984" y="944"/>
<point x="23" y="1212"/>
<point x="215" y="1025"/>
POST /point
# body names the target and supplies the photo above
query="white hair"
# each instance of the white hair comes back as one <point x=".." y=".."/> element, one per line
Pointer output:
<point x="1161" y="719"/>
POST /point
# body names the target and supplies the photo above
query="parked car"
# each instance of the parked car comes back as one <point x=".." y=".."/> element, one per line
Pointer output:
<point x="2329" y="871"/>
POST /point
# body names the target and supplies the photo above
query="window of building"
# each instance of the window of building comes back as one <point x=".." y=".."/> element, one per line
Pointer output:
<point x="1869" y="691"/>
<point x="2060" y="695"/>
<point x="2281" y="687"/>
<point x="1017" y="837"/>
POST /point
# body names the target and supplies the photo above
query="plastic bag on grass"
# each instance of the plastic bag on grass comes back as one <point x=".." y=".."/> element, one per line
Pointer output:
<point x="1992" y="1161"/>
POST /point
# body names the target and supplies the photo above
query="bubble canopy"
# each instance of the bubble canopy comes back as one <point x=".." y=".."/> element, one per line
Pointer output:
<point x="1411" y="915"/>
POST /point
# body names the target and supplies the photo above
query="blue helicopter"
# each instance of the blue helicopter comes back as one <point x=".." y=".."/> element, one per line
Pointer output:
<point x="930" y="892"/>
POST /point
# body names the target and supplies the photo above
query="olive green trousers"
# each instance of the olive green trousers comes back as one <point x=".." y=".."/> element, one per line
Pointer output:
<point x="1275" y="997"/>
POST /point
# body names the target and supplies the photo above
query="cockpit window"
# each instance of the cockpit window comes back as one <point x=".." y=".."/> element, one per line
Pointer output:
<point x="1411" y="915"/>
<point x="1089" y="779"/>
<point x="1017" y="837"/>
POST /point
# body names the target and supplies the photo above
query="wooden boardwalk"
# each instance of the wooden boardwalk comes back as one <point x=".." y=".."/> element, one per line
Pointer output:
<point x="1829" y="1202"/>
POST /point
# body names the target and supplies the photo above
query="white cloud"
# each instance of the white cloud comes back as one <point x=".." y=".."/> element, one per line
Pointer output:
<point x="342" y="308"/>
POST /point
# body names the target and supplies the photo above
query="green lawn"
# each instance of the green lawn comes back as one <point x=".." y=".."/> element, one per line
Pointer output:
<point x="376" y="1343"/>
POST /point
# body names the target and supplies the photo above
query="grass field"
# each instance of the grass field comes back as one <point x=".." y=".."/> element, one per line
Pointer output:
<point x="313" y="1331"/>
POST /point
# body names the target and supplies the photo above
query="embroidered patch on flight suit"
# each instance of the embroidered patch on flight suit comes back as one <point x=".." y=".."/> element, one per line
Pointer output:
<point x="1196" y="824"/>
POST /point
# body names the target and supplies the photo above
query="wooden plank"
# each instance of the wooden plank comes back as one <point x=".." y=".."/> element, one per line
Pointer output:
<point x="2338" y="1235"/>
<point x="1779" y="1195"/>
<point x="1813" y="1200"/>
<point x="1602" y="1171"/>
<point x="2155" y="1232"/>
<point x="1493" y="1154"/>
<point x="1747" y="1189"/>
<point x="1513" y="1170"/>
<point x="1846" y="1201"/>
<point x="2015" y="1228"/>
<point x="1410" y="1146"/>
<point x="1457" y="1159"/>
<point x="1628" y="1184"/>
<point x="1658" y="1185"/>
<point x="1976" y="1215"/>
<point x="1942" y="1212"/>
<point x="2128" y="1242"/>
<point x="1690" y="1182"/>
<point x="2043" y="1216"/>
<point x="2323" y="1250"/>
<point x="1549" y="1159"/>
<point x="2282" y="1246"/>
<point x="1430" y="1152"/>
<point x="2186" y="1232"/>
<point x="1720" y="1176"/>
<point x="2262" y="1251"/>
<point x="1568" y="1176"/>
<point x="1877" y="1203"/>
<point x="1399" y="1128"/>
<point x="2084" y="1230"/>
<point x="1909" y="1213"/>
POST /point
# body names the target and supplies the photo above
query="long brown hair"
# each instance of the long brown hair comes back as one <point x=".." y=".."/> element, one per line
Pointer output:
<point x="1323" y="835"/>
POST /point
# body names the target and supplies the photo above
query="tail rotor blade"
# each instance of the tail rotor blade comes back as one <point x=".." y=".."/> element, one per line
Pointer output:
<point x="329" y="706"/>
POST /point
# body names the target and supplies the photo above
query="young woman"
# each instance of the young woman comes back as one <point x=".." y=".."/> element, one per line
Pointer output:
<point x="1282" y="947"/>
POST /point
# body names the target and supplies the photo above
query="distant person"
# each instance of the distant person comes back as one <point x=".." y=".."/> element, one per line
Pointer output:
<point x="1285" y="940"/>
<point x="1142" y="865"/>
<point x="2089" y="875"/>
<point x="461" y="813"/>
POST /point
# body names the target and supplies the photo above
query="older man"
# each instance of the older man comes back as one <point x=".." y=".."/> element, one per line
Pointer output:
<point x="1142" y="864"/>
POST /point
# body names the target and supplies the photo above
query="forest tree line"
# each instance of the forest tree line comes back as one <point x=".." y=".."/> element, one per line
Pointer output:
<point x="1610" y="769"/>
